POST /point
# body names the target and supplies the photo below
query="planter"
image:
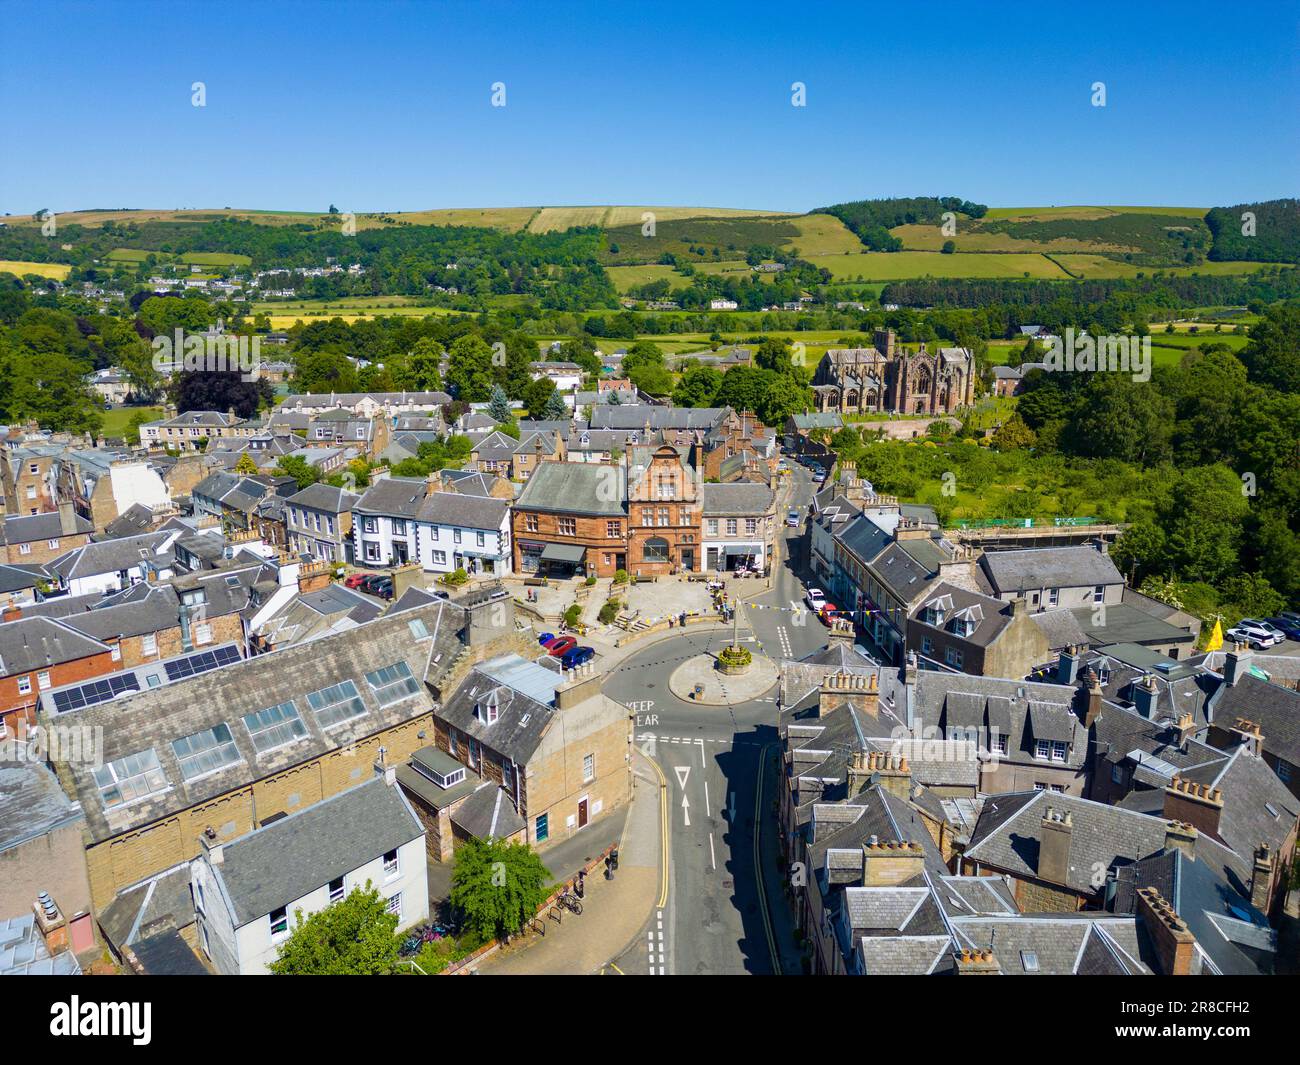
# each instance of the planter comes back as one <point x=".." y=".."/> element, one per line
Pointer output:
<point x="734" y="661"/>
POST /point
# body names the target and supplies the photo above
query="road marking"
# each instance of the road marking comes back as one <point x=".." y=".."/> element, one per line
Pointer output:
<point x="686" y="810"/>
<point x="682" y="771"/>
<point x="713" y="858"/>
<point x="708" y="810"/>
<point x="703" y="763"/>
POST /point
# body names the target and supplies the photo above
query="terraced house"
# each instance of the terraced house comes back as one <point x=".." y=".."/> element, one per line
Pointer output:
<point x="400" y="520"/>
<point x="548" y="751"/>
<point x="318" y="522"/>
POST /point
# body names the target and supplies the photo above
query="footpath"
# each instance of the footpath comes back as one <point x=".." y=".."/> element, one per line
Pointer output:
<point x="613" y="912"/>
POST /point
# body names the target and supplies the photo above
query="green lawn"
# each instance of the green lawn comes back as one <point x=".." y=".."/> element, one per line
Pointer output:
<point x="117" y="421"/>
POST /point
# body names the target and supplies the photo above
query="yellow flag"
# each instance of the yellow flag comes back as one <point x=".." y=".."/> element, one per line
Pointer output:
<point x="1216" y="636"/>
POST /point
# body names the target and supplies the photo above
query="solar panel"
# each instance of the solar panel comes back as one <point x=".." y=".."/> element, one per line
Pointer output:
<point x="202" y="662"/>
<point x="96" y="691"/>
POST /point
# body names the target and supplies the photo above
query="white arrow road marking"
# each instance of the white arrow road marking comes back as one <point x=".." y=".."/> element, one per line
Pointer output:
<point x="686" y="810"/>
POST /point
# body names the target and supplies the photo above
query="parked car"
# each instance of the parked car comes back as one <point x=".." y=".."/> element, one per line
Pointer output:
<point x="354" y="580"/>
<point x="827" y="613"/>
<point x="1287" y="626"/>
<point x="577" y="656"/>
<point x="819" y="476"/>
<point x="1254" y="632"/>
<point x="382" y="587"/>
<point x="792" y="519"/>
<point x="815" y="597"/>
<point x="545" y="637"/>
<point x="558" y="648"/>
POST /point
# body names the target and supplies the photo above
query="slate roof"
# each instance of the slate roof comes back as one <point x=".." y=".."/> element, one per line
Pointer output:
<point x="523" y="692"/>
<point x="28" y="528"/>
<point x="36" y="643"/>
<point x="158" y="901"/>
<point x="743" y="498"/>
<point x="324" y="497"/>
<point x="279" y="863"/>
<point x="31" y="803"/>
<point x="990" y="615"/>
<point x="156" y="718"/>
<point x="1102" y="838"/>
<point x="1229" y="931"/>
<point x="110" y="556"/>
<point x="1027" y="569"/>
<point x="398" y="497"/>
<point x="1274" y="708"/>
<point x="487" y="814"/>
<point x="574" y="488"/>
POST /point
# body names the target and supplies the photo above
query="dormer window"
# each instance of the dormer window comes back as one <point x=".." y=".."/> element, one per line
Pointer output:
<point x="488" y="710"/>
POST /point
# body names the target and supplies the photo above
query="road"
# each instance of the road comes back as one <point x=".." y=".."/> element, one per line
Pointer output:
<point x="717" y="917"/>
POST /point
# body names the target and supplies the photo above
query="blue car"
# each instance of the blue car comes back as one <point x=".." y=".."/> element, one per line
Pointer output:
<point x="545" y="636"/>
<point x="1289" y="627"/>
<point x="577" y="656"/>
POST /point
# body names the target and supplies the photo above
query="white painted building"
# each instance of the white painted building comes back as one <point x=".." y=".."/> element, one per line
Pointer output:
<point x="399" y="520"/>
<point x="249" y="892"/>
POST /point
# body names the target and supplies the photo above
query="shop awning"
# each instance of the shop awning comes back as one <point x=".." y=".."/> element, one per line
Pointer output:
<point x="571" y="553"/>
<point x="743" y="549"/>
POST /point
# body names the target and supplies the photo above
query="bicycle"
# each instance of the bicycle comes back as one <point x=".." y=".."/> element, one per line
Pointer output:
<point x="570" y="902"/>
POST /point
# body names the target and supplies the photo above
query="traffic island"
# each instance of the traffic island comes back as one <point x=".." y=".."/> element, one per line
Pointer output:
<point x="705" y="680"/>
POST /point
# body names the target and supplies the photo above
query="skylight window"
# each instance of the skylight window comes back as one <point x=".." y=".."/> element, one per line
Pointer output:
<point x="206" y="752"/>
<point x="275" y="726"/>
<point x="1029" y="959"/>
<point x="336" y="704"/>
<point x="393" y="683"/>
<point x="136" y="776"/>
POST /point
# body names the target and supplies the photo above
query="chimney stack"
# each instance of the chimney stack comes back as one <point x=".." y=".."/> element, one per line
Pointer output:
<point x="1174" y="945"/>
<point x="1179" y="835"/>
<point x="859" y="690"/>
<point x="1054" y="846"/>
<point x="1145" y="696"/>
<point x="1236" y="664"/>
<point x="891" y="772"/>
<point x="977" y="963"/>
<point x="51" y="923"/>
<point x="1249" y="735"/>
<point x="1186" y="729"/>
<point x="1261" y="879"/>
<point x="1197" y="804"/>
<point x="1067" y="666"/>
<point x="1092" y="694"/>
<point x="887" y="864"/>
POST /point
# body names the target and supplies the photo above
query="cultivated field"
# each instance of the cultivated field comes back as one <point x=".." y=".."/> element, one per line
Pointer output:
<point x="906" y="265"/>
<point x="822" y="234"/>
<point x="548" y="219"/>
<point x="56" y="271"/>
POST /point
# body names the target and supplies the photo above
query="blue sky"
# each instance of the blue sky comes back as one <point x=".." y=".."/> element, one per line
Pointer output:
<point x="386" y="106"/>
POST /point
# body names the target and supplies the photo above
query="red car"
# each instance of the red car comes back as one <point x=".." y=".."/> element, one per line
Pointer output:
<point x="354" y="579"/>
<point x="827" y="613"/>
<point x="558" y="647"/>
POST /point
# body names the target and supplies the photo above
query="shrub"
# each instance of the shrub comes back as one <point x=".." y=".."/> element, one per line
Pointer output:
<point x="573" y="615"/>
<point x="621" y="577"/>
<point x="735" y="656"/>
<point x="608" y="612"/>
<point x="590" y="581"/>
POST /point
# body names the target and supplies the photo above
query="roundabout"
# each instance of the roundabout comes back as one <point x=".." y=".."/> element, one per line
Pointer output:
<point x="700" y="680"/>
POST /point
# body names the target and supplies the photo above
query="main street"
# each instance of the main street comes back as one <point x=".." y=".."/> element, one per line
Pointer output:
<point x="723" y="912"/>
